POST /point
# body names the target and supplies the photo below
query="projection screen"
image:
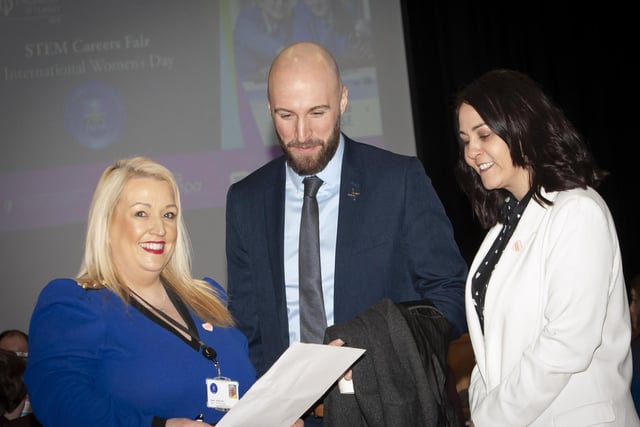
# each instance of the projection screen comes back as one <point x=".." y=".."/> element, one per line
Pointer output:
<point x="85" y="82"/>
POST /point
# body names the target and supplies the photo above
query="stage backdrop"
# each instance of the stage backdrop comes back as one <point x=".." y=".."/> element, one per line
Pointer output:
<point x="85" y="82"/>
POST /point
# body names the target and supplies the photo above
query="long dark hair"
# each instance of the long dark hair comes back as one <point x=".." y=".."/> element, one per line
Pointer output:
<point x="539" y="135"/>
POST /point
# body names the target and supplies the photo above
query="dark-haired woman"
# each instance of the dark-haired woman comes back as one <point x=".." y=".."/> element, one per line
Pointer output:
<point x="545" y="298"/>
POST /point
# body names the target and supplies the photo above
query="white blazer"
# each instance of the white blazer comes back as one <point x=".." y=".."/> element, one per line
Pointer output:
<point x="556" y="346"/>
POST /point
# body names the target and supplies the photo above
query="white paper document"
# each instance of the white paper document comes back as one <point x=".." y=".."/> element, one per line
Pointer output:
<point x="295" y="382"/>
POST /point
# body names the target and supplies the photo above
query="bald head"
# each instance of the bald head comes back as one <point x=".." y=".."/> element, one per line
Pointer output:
<point x="14" y="340"/>
<point x="306" y="100"/>
<point x="304" y="58"/>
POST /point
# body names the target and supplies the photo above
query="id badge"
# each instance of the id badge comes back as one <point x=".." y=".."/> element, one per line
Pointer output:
<point x="222" y="393"/>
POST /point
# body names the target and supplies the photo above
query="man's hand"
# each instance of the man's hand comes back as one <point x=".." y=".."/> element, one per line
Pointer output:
<point x="338" y="342"/>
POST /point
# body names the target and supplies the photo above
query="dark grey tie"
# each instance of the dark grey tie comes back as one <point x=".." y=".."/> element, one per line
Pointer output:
<point x="313" y="321"/>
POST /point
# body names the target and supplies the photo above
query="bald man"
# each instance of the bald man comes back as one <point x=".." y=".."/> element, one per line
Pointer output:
<point x="384" y="232"/>
<point x="15" y="340"/>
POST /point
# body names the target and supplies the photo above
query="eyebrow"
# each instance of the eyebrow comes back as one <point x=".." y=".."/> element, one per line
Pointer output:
<point x="316" y="107"/>
<point x="473" y="128"/>
<point x="172" y="205"/>
<point x="139" y="203"/>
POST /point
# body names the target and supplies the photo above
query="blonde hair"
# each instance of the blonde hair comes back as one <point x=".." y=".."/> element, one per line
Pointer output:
<point x="98" y="269"/>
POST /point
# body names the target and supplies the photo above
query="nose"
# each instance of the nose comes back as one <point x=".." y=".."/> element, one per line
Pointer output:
<point x="472" y="149"/>
<point x="302" y="130"/>
<point x="158" y="226"/>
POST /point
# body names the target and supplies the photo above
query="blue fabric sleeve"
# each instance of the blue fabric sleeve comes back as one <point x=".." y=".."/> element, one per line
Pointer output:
<point x="65" y="335"/>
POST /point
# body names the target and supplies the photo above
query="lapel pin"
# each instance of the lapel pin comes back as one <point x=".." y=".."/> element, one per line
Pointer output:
<point x="353" y="194"/>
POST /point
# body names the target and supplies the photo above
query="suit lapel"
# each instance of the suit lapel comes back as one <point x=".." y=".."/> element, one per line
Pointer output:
<point x="520" y="241"/>
<point x="274" y="228"/>
<point x="514" y="253"/>
<point x="352" y="186"/>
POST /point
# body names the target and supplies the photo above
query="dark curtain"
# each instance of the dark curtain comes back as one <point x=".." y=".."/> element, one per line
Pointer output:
<point x="581" y="55"/>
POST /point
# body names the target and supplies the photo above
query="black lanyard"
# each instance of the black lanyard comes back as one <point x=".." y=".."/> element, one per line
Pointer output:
<point x="207" y="351"/>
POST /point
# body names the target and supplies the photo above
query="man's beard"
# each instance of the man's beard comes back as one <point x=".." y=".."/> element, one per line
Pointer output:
<point x="311" y="165"/>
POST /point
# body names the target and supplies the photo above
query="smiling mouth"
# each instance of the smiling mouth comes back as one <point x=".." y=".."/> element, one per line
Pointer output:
<point x="485" y="166"/>
<point x="156" y="248"/>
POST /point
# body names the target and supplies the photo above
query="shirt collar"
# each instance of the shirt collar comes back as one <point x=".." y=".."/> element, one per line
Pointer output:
<point x="513" y="208"/>
<point x="330" y="175"/>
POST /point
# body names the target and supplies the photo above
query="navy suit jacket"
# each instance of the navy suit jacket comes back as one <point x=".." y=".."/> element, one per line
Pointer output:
<point x="394" y="241"/>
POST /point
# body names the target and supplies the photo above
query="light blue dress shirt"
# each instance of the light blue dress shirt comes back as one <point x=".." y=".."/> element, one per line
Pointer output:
<point x="328" y="203"/>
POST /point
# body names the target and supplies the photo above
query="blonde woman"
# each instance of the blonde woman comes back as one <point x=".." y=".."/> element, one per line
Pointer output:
<point x="134" y="339"/>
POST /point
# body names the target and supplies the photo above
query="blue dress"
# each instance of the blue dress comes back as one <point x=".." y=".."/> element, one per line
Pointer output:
<point x="93" y="361"/>
<point x="635" y="378"/>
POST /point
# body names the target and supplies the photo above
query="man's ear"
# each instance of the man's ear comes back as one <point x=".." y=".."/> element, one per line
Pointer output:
<point x="344" y="99"/>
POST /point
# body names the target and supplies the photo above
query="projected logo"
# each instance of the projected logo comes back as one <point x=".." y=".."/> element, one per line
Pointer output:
<point x="94" y="114"/>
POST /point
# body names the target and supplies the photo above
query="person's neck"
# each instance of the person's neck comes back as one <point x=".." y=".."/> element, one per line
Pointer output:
<point x="151" y="293"/>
